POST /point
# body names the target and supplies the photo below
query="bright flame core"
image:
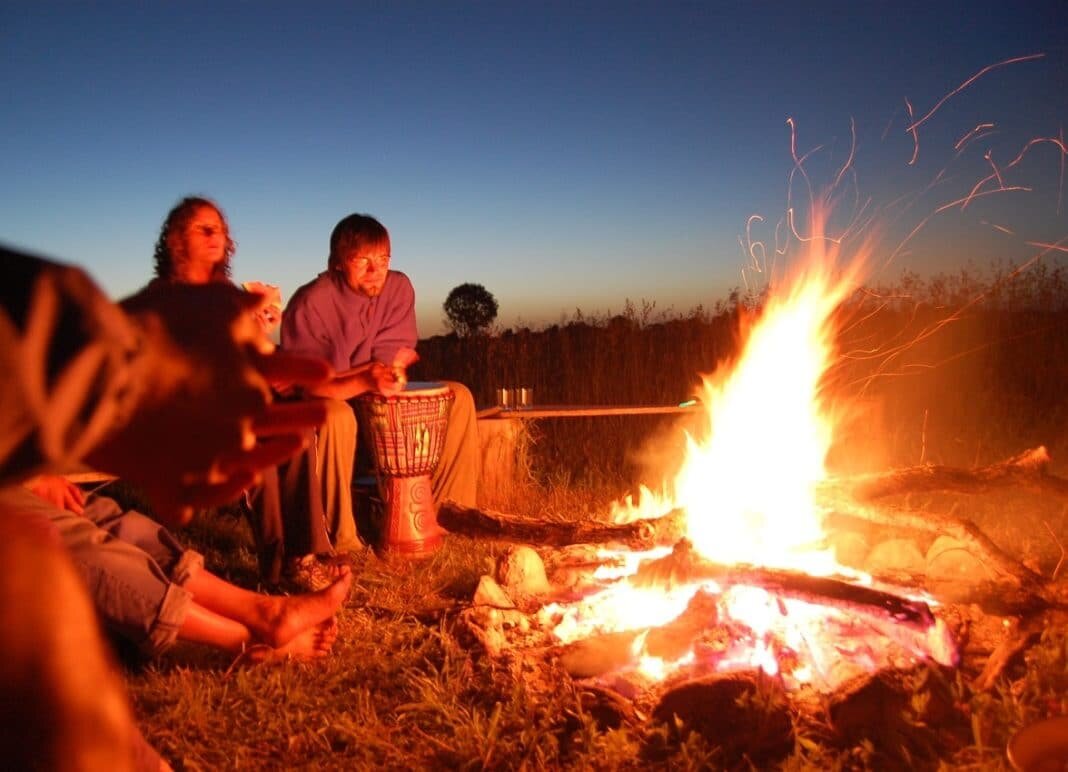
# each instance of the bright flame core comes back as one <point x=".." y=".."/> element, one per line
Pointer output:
<point x="749" y="490"/>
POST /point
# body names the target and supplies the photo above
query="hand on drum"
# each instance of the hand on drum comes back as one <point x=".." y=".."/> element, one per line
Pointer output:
<point x="206" y="426"/>
<point x="389" y="381"/>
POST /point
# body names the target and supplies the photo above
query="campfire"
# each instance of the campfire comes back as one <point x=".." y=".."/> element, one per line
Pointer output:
<point x="729" y="577"/>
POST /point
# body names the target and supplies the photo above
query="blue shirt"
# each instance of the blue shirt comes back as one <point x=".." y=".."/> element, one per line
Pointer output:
<point x="329" y="319"/>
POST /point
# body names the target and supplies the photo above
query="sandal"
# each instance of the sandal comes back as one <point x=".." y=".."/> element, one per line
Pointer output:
<point x="311" y="573"/>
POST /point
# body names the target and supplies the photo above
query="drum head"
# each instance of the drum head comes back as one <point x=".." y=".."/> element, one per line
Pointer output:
<point x="425" y="388"/>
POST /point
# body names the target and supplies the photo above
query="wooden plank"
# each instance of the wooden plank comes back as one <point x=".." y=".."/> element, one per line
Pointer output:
<point x="581" y="411"/>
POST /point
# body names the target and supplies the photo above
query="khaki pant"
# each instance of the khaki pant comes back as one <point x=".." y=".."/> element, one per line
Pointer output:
<point x="455" y="478"/>
<point x="336" y="454"/>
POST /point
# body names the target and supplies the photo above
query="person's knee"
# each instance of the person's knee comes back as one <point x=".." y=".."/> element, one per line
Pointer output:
<point x="464" y="400"/>
<point x="340" y="419"/>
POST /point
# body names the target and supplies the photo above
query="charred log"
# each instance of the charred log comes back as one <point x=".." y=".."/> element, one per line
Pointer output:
<point x="746" y="715"/>
<point x="640" y="534"/>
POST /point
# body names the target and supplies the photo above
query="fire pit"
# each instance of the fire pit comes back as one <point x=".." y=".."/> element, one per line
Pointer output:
<point x="727" y="591"/>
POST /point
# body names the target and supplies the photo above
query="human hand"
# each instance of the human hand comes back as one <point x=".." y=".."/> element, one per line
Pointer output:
<point x="59" y="491"/>
<point x="205" y="425"/>
<point x="270" y="315"/>
<point x="402" y="360"/>
<point x="386" y="380"/>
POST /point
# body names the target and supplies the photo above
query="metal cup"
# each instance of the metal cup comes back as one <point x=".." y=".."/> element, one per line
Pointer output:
<point x="505" y="398"/>
<point x="526" y="397"/>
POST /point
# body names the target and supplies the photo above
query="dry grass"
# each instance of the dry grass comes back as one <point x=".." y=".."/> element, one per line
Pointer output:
<point x="406" y="689"/>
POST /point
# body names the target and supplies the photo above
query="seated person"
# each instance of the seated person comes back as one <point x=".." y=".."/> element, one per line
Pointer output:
<point x="360" y="316"/>
<point x="300" y="513"/>
<point x="88" y="382"/>
<point x="150" y="591"/>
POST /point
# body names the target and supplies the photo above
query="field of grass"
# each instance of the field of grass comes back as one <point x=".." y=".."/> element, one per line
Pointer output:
<point x="939" y="380"/>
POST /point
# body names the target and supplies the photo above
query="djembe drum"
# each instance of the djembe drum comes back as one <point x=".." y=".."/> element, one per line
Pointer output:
<point x="406" y="433"/>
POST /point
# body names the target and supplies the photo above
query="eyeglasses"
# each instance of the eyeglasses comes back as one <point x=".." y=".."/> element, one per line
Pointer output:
<point x="363" y="263"/>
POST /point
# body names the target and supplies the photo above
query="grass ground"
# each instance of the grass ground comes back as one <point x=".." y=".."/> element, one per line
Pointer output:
<point x="406" y="688"/>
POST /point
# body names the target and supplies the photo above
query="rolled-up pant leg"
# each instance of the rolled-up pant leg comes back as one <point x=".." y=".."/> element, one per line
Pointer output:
<point x="133" y="594"/>
<point x="457" y="473"/>
<point x="130" y="526"/>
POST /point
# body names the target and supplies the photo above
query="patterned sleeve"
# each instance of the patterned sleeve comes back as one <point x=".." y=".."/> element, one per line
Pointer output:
<point x="70" y="366"/>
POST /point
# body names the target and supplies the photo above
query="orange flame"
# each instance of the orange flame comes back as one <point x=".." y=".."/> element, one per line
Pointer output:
<point x="749" y="493"/>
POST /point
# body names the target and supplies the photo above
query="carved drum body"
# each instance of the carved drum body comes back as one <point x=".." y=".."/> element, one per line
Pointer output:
<point x="406" y="434"/>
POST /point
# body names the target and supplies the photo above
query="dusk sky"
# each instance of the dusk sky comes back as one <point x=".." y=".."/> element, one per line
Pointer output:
<point x="563" y="154"/>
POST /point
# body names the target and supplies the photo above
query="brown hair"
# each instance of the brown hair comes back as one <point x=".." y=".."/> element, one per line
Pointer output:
<point x="167" y="255"/>
<point x="355" y="232"/>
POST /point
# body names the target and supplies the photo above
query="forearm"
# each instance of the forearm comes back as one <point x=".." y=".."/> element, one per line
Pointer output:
<point x="346" y="385"/>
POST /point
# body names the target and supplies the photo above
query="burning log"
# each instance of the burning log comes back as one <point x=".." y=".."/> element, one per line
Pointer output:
<point x="602" y="653"/>
<point x="685" y="565"/>
<point x="909" y="622"/>
<point x="639" y="535"/>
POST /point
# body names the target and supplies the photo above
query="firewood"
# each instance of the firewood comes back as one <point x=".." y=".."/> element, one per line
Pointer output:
<point x="640" y="534"/>
<point x="1019" y="589"/>
<point x="685" y="565"/>
<point x="1029" y="469"/>
<point x="842" y="503"/>
<point x="598" y="654"/>
<point x="908" y="622"/>
<point x="1019" y="636"/>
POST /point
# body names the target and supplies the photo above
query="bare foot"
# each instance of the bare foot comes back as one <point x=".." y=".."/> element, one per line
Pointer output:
<point x="284" y="618"/>
<point x="312" y="643"/>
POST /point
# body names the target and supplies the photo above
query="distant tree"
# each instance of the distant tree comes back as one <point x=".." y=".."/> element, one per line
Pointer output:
<point x="470" y="309"/>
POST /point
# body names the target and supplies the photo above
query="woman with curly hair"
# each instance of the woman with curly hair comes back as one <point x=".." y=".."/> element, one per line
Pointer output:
<point x="194" y="245"/>
<point x="287" y="513"/>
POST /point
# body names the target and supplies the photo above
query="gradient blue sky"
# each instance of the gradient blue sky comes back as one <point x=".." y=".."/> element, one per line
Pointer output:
<point x="564" y="154"/>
